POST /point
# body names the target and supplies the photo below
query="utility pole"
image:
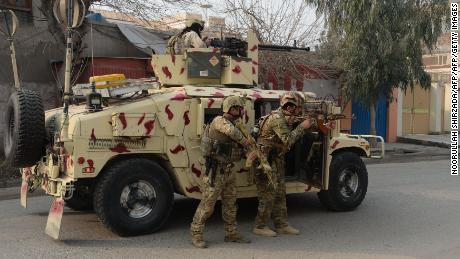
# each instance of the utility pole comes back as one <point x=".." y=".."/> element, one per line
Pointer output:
<point x="206" y="7"/>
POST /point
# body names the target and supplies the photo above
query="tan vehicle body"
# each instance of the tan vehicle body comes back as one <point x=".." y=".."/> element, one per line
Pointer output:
<point x="165" y="126"/>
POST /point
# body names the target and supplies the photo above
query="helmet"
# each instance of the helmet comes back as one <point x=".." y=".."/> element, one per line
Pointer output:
<point x="231" y="101"/>
<point x="190" y="22"/>
<point x="300" y="99"/>
<point x="289" y="97"/>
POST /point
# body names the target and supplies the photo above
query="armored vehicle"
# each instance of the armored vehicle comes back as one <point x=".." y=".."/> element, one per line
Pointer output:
<point x="137" y="142"/>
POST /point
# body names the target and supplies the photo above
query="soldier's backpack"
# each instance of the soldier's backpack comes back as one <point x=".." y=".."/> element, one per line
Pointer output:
<point x="258" y="126"/>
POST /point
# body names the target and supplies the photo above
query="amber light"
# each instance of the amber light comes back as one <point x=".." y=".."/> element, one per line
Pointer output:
<point x="88" y="170"/>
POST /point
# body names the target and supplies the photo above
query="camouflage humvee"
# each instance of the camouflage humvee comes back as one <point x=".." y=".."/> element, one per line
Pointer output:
<point x="127" y="159"/>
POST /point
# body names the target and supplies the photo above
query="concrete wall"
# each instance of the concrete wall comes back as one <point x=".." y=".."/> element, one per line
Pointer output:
<point x="447" y="108"/>
<point x="345" y="124"/>
<point x="35" y="47"/>
<point x="436" y="100"/>
<point x="392" y="118"/>
<point x="322" y="88"/>
<point x="37" y="51"/>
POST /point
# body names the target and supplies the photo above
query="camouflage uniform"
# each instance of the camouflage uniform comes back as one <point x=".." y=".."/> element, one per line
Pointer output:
<point x="188" y="40"/>
<point x="276" y="138"/>
<point x="223" y="131"/>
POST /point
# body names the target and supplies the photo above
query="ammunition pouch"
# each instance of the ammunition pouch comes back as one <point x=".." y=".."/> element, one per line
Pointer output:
<point x="227" y="152"/>
<point x="206" y="145"/>
<point x="269" y="152"/>
<point x="223" y="152"/>
<point x="277" y="148"/>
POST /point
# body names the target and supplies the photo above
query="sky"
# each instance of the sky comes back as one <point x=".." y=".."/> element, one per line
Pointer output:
<point x="307" y="21"/>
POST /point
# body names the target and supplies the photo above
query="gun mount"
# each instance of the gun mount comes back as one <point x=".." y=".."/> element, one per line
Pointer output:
<point x="231" y="46"/>
<point x="229" y="62"/>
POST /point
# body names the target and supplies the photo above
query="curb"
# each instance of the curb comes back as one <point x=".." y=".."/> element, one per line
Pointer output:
<point x="422" y="142"/>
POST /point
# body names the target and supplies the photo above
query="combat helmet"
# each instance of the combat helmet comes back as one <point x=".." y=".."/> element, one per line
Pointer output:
<point x="289" y="97"/>
<point x="231" y="101"/>
<point x="300" y="99"/>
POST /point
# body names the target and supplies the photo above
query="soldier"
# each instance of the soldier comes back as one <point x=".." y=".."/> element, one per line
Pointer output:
<point x="190" y="37"/>
<point x="222" y="144"/>
<point x="275" y="139"/>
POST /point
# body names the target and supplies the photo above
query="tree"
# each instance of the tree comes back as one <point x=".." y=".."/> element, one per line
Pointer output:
<point x="381" y="44"/>
<point x="274" y="22"/>
<point x="148" y="10"/>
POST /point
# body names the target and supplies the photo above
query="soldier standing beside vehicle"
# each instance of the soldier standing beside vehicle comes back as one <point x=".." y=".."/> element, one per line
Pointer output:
<point x="190" y="37"/>
<point x="275" y="139"/>
<point x="222" y="144"/>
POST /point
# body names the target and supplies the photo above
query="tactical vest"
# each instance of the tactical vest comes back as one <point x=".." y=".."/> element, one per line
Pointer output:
<point x="219" y="146"/>
<point x="275" y="144"/>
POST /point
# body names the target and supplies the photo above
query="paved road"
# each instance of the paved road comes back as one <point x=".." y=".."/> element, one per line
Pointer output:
<point x="411" y="210"/>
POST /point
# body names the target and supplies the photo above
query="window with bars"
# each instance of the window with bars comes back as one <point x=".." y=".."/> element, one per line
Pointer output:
<point x="20" y="5"/>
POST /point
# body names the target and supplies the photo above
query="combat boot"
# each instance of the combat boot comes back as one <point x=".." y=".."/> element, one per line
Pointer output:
<point x="288" y="230"/>
<point x="198" y="242"/>
<point x="237" y="238"/>
<point x="266" y="232"/>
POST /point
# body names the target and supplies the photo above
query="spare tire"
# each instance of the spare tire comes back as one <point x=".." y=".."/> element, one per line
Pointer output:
<point x="24" y="132"/>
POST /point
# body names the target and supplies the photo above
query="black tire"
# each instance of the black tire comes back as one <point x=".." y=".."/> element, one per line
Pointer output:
<point x="347" y="182"/>
<point x="24" y="132"/>
<point x="123" y="197"/>
<point x="82" y="198"/>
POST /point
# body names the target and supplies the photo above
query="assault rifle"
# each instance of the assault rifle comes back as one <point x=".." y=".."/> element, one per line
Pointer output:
<point x="264" y="165"/>
<point x="211" y="170"/>
<point x="322" y="118"/>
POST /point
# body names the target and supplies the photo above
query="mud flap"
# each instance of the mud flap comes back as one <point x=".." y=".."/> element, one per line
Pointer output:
<point x="24" y="191"/>
<point x="53" y="225"/>
<point x="25" y="186"/>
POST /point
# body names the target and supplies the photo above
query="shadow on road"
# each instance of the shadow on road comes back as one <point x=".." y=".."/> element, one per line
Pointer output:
<point x="300" y="205"/>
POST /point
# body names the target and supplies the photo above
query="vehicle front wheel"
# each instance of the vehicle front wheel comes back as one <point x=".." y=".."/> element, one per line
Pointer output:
<point x="134" y="197"/>
<point x="347" y="182"/>
<point x="82" y="198"/>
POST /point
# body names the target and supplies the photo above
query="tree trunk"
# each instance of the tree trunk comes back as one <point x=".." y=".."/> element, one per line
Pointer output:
<point x="373" y="131"/>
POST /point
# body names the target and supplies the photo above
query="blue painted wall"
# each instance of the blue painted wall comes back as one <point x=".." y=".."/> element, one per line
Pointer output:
<point x="361" y="123"/>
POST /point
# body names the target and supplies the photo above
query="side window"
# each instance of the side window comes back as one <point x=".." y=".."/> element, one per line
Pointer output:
<point x="264" y="107"/>
<point x="208" y="108"/>
<point x="210" y="114"/>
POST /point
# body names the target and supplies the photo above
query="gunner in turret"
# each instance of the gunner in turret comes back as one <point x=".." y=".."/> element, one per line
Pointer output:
<point x="190" y="37"/>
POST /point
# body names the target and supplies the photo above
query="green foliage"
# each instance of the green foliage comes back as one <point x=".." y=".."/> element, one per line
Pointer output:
<point x="380" y="43"/>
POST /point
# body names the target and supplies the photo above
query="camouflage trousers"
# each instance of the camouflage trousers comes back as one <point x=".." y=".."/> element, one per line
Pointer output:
<point x="224" y="186"/>
<point x="272" y="199"/>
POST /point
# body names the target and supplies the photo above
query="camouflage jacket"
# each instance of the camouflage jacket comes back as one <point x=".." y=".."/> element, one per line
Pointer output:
<point x="224" y="131"/>
<point x="275" y="132"/>
<point x="224" y="141"/>
<point x="178" y="43"/>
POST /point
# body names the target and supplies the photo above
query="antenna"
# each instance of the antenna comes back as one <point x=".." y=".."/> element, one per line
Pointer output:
<point x="9" y="33"/>
<point x="69" y="13"/>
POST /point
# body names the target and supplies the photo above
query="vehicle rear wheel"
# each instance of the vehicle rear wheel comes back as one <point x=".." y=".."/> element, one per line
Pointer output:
<point x="347" y="183"/>
<point x="134" y="197"/>
<point x="24" y="133"/>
